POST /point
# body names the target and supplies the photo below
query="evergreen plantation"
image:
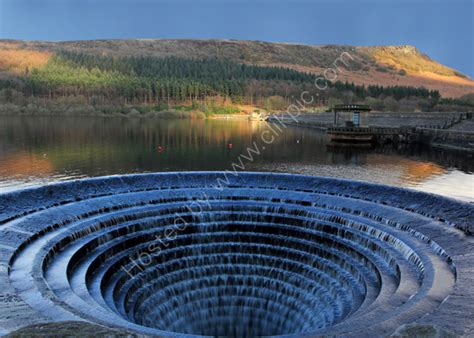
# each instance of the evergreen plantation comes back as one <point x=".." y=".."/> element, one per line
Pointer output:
<point x="138" y="80"/>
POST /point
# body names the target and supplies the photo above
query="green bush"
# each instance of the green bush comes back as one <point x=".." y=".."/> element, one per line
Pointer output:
<point x="402" y="72"/>
<point x="224" y="110"/>
<point x="177" y="114"/>
<point x="9" y="109"/>
<point x="183" y="108"/>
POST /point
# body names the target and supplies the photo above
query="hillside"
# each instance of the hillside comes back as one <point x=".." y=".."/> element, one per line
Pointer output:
<point x="380" y="65"/>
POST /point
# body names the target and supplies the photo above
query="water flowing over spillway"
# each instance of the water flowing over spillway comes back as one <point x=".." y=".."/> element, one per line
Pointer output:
<point x="215" y="254"/>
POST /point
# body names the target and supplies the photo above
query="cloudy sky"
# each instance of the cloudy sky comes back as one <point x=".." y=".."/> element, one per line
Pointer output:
<point x="441" y="28"/>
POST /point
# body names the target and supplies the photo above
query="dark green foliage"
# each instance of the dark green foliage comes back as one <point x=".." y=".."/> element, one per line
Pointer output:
<point x="397" y="92"/>
<point x="458" y="102"/>
<point x="150" y="79"/>
<point x="172" y="80"/>
<point x="381" y="69"/>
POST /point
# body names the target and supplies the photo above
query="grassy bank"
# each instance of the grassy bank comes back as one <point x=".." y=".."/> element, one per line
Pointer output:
<point x="79" y="107"/>
<point x="10" y="109"/>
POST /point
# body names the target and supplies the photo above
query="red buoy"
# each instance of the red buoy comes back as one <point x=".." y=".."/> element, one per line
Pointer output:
<point x="160" y="149"/>
<point x="229" y="145"/>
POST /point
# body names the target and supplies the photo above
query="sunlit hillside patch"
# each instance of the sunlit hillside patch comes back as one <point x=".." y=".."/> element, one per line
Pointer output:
<point x="411" y="60"/>
<point x="22" y="61"/>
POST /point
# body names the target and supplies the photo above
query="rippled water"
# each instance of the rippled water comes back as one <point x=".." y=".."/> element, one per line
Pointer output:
<point x="48" y="149"/>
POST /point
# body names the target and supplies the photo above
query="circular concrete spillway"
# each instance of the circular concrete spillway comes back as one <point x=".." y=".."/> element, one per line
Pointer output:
<point x="215" y="254"/>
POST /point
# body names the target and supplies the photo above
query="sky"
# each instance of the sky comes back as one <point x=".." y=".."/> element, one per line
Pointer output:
<point x="443" y="29"/>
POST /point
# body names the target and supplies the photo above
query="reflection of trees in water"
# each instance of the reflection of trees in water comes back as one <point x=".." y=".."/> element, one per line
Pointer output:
<point x="49" y="130"/>
<point x="123" y="145"/>
<point x="117" y="145"/>
<point x="26" y="164"/>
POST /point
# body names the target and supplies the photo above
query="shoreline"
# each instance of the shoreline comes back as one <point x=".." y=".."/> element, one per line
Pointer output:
<point x="140" y="116"/>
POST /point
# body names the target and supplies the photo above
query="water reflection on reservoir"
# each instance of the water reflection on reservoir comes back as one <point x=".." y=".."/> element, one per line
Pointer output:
<point x="47" y="149"/>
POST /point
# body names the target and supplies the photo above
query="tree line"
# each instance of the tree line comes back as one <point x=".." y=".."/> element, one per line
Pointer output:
<point x="148" y="79"/>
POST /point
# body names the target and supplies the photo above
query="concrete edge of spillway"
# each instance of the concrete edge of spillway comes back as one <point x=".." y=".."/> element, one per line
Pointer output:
<point x="417" y="233"/>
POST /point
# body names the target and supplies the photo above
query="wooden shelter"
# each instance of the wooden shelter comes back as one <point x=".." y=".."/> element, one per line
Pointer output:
<point x="351" y="115"/>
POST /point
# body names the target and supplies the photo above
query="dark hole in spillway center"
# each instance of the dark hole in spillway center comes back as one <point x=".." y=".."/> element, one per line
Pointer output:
<point x="243" y="275"/>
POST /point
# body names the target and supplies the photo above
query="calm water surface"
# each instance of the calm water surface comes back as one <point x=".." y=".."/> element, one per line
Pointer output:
<point x="42" y="150"/>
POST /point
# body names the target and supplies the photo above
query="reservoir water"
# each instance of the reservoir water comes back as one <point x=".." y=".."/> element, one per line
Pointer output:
<point x="41" y="150"/>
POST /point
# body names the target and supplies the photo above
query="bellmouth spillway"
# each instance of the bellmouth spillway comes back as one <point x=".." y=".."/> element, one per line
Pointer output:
<point x="255" y="254"/>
